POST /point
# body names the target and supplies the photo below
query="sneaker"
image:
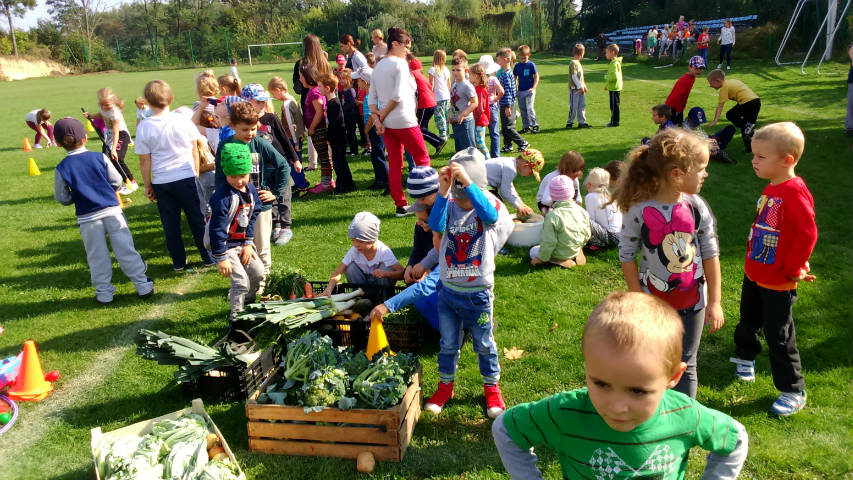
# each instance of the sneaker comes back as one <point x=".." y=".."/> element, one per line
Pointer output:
<point x="523" y="147"/>
<point x="440" y="147"/>
<point x="124" y="190"/>
<point x="524" y="130"/>
<point x="283" y="237"/>
<point x="300" y="192"/>
<point x="728" y="67"/>
<point x="332" y="184"/>
<point x="745" y="370"/>
<point x="584" y="125"/>
<point x="320" y="188"/>
<point x="494" y="400"/>
<point x="133" y="185"/>
<point x="723" y="156"/>
<point x="441" y="396"/>
<point x="386" y="192"/>
<point x="310" y="168"/>
<point x="749" y="129"/>
<point x="534" y="129"/>
<point x="719" y="66"/>
<point x="569" y="125"/>
<point x="38" y="145"/>
<point x="506" y="149"/>
<point x="276" y="232"/>
<point x="788" y="403"/>
<point x="611" y="124"/>
<point x="149" y="294"/>
<point x="402" y="211"/>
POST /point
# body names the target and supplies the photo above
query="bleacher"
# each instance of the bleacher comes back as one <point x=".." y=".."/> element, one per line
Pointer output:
<point x="625" y="37"/>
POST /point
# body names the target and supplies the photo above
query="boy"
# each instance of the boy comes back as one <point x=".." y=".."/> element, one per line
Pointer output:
<point x="463" y="98"/>
<point x="745" y="113"/>
<point x="695" y="119"/>
<point x="577" y="88"/>
<point x="782" y="238"/>
<point x="661" y="115"/>
<point x="231" y="228"/>
<point x="89" y="181"/>
<point x="270" y="171"/>
<point x="527" y="79"/>
<point x="336" y="134"/>
<point x="677" y="99"/>
<point x="501" y="172"/>
<point x="234" y="70"/>
<point x="422" y="186"/>
<point x="627" y="421"/>
<point x="475" y="225"/>
<point x="506" y="104"/>
<point x="613" y="82"/>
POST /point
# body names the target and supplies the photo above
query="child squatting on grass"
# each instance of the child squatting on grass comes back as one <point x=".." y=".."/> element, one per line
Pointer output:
<point x="369" y="261"/>
<point x="501" y="173"/>
<point x="565" y="230"/>
<point x="781" y="240"/>
<point x="627" y="418"/>
<point x="89" y="181"/>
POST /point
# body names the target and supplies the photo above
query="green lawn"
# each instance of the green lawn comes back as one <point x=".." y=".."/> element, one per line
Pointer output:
<point x="45" y="292"/>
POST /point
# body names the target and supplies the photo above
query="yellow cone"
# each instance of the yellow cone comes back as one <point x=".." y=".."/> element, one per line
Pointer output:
<point x="34" y="169"/>
<point x="89" y="127"/>
<point x="377" y="341"/>
<point x="120" y="200"/>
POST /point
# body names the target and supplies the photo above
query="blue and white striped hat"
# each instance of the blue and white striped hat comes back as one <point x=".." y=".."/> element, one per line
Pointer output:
<point x="422" y="181"/>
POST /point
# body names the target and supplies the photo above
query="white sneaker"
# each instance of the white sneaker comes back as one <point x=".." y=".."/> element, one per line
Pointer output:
<point x="124" y="190"/>
<point x="728" y="67"/>
<point x="134" y="186"/>
<point x="719" y="66"/>
<point x="788" y="403"/>
<point x="38" y="145"/>
<point x="745" y="370"/>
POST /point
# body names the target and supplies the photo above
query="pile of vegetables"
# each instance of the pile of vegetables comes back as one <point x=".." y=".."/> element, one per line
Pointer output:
<point x="179" y="449"/>
<point x="289" y="315"/>
<point x="317" y="374"/>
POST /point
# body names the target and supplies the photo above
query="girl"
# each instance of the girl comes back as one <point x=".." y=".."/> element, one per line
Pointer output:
<point x="116" y="136"/>
<point x="336" y="134"/>
<point x="571" y="164"/>
<point x="319" y="58"/>
<point x="380" y="48"/>
<point x="605" y="219"/>
<point x="482" y="114"/>
<point x="229" y="86"/>
<point x="314" y="116"/>
<point x="496" y="91"/>
<point x="206" y="87"/>
<point x="727" y="42"/>
<point x="39" y="120"/>
<point x="347" y="96"/>
<point x="439" y="80"/>
<point x="142" y="110"/>
<point x="675" y="232"/>
<point x="294" y="129"/>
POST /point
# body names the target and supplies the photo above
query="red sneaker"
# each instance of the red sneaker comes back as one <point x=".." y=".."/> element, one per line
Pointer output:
<point x="494" y="400"/>
<point x="320" y="188"/>
<point x="440" y="397"/>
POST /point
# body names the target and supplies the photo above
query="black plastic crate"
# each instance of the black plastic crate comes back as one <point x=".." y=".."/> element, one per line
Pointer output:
<point x="237" y="382"/>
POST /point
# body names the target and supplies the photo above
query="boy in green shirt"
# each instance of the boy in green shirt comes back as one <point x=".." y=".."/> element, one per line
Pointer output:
<point x="613" y="82"/>
<point x="627" y="422"/>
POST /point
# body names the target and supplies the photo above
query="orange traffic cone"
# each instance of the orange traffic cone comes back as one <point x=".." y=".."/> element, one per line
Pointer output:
<point x="34" y="169"/>
<point x="377" y="341"/>
<point x="30" y="384"/>
<point x="27" y="146"/>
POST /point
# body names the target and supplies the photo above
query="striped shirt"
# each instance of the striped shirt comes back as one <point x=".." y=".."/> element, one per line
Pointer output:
<point x="508" y="82"/>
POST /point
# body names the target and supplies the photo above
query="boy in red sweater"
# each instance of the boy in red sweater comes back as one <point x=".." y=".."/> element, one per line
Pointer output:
<point x="781" y="240"/>
<point x="677" y="99"/>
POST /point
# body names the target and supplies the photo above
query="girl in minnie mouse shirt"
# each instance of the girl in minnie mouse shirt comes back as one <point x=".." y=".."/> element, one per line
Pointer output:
<point x="674" y="231"/>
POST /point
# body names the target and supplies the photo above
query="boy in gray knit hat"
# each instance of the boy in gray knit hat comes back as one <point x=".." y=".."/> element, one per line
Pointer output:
<point x="368" y="261"/>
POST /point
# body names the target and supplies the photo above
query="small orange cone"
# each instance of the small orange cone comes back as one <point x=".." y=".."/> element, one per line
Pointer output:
<point x="34" y="169"/>
<point x="27" y="146"/>
<point x="30" y="384"/>
<point x="377" y="341"/>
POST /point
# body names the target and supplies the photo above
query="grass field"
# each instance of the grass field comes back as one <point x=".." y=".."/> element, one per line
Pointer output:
<point x="45" y="292"/>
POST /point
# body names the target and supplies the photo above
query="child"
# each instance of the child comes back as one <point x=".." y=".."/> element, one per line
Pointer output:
<point x="501" y="172"/>
<point x="229" y="85"/>
<point x="208" y="123"/>
<point x="615" y="168"/>
<point x="473" y="226"/>
<point x="464" y="101"/>
<point x="142" y="110"/>
<point x="482" y="114"/>
<point x="677" y="99"/>
<point x="422" y="186"/>
<point x="702" y="44"/>
<point x="727" y="42"/>
<point x="371" y="59"/>
<point x="613" y="82"/>
<point x="341" y="60"/>
<point x="270" y="174"/>
<point x="336" y="134"/>
<point x="672" y="227"/>
<point x="426" y="104"/>
<point x="116" y="136"/>
<point x="782" y="238"/>
<point x="89" y="180"/>
<point x="347" y="98"/>
<point x="368" y="261"/>
<point x="571" y="164"/>
<point x="314" y="117"/>
<point x="231" y="228"/>
<point x="294" y="129"/>
<point x="661" y="116"/>
<point x="507" y="103"/>
<point x="377" y="145"/>
<point x="439" y="80"/>
<point x="380" y="48"/>
<point x="626" y="422"/>
<point x="234" y="70"/>
<point x="719" y="140"/>
<point x="745" y="113"/>
<point x="496" y="91"/>
<point x="566" y="229"/>
<point x="527" y="79"/>
<point x="39" y="120"/>
<point x="577" y="89"/>
<point x="605" y="219"/>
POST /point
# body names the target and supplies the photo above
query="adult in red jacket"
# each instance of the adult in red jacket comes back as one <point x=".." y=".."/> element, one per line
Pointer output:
<point x="426" y="104"/>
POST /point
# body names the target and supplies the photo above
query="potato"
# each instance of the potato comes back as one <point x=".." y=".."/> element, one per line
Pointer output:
<point x="212" y="440"/>
<point x="365" y="462"/>
<point x="216" y="453"/>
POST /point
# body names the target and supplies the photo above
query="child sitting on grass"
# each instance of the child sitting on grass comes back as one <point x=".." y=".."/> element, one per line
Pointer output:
<point x="231" y="228"/>
<point x="605" y="219"/>
<point x="720" y="139"/>
<point x="662" y="116"/>
<point x="627" y="418"/>
<point x="369" y="261"/>
<point x="565" y="231"/>
<point x="501" y="172"/>
<point x="89" y="181"/>
<point x="571" y="165"/>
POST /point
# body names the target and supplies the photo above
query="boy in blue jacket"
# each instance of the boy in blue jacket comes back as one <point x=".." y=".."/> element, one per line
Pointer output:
<point x="234" y="207"/>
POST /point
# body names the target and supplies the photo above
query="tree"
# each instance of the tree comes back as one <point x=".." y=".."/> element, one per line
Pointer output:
<point x="16" y="8"/>
<point x="76" y="15"/>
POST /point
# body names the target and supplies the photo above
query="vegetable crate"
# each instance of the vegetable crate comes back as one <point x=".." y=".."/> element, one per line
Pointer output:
<point x="333" y="432"/>
<point x="403" y="337"/>
<point x="237" y="382"/>
<point x="144" y="427"/>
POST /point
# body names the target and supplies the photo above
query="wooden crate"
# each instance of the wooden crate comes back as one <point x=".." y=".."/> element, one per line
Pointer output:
<point x="289" y="430"/>
<point x="144" y="427"/>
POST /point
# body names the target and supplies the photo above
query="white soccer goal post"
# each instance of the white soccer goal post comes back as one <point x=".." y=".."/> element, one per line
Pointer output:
<point x="249" y="48"/>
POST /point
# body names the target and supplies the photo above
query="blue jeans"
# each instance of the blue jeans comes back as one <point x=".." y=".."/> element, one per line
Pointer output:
<point x="171" y="199"/>
<point x="471" y="311"/>
<point x="494" y="131"/>
<point x="299" y="179"/>
<point x="377" y="157"/>
<point x="463" y="134"/>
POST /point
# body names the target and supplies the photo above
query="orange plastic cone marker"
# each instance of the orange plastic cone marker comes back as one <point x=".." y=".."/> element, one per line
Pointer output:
<point x="27" y="146"/>
<point x="34" y="169"/>
<point x="377" y="341"/>
<point x="30" y="384"/>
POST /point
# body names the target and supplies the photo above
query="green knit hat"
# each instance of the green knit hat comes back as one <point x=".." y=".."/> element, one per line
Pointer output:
<point x="236" y="159"/>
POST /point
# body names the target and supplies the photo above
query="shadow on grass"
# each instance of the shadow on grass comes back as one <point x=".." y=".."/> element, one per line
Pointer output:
<point x="26" y="200"/>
